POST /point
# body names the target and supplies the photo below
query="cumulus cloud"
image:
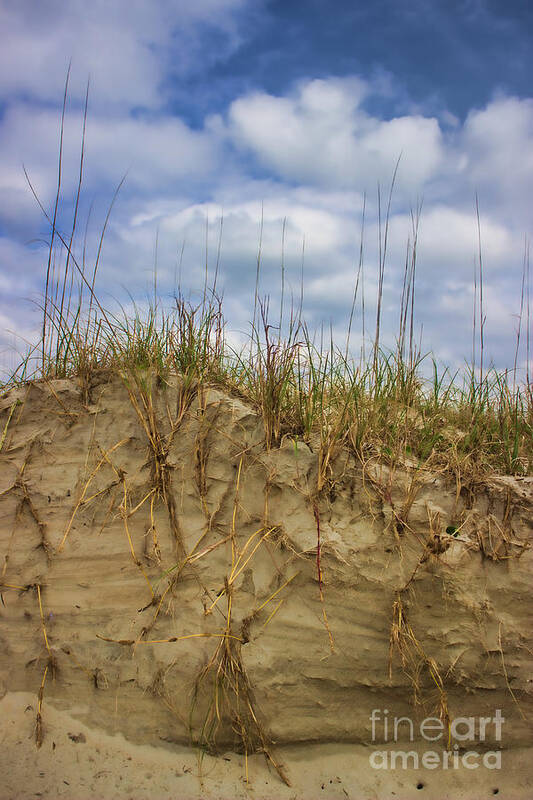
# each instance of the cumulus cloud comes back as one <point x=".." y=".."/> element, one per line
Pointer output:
<point x="448" y="241"/>
<point x="127" y="46"/>
<point x="157" y="154"/>
<point x="497" y="148"/>
<point x="278" y="226"/>
<point x="301" y="160"/>
<point x="20" y="318"/>
<point x="321" y="134"/>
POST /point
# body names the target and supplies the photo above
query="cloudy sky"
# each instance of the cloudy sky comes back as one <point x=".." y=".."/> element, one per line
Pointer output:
<point x="291" y="109"/>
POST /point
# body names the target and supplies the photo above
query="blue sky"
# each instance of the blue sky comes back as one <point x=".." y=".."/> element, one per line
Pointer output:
<point x="227" y="107"/>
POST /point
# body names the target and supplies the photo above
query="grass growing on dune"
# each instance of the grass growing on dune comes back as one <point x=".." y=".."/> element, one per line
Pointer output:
<point x="385" y="408"/>
<point x="380" y="406"/>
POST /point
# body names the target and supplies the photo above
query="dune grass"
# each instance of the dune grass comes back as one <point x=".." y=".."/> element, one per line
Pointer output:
<point x="382" y="406"/>
<point x="383" y="409"/>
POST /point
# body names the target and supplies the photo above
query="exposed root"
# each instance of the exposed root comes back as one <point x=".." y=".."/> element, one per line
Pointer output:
<point x="126" y="513"/>
<point x="414" y="661"/>
<point x="70" y="415"/>
<point x="39" y="718"/>
<point x="6" y="426"/>
<point x="232" y="702"/>
<point x="319" y="576"/>
<point x="83" y="496"/>
<point x="496" y="539"/>
<point x="506" y="675"/>
<point x="51" y="665"/>
<point x="159" y="447"/>
<point x="38" y="589"/>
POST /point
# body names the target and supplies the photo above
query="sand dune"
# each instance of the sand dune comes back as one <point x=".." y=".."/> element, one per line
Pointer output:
<point x="179" y="601"/>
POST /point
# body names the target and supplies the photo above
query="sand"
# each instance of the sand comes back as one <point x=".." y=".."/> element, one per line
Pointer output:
<point x="80" y="762"/>
<point x="165" y="605"/>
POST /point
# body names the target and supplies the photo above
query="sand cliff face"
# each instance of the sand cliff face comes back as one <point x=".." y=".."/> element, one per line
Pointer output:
<point x="165" y="576"/>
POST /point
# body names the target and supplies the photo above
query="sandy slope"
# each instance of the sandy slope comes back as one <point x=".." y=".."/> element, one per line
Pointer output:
<point x="83" y="763"/>
<point x="93" y="535"/>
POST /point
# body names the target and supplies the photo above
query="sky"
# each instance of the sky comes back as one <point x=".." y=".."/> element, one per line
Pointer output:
<point x="232" y="117"/>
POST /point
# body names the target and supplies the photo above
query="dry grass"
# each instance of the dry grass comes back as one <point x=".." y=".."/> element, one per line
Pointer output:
<point x="417" y="664"/>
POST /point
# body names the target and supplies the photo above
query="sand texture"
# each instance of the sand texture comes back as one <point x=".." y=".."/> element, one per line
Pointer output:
<point x="173" y="590"/>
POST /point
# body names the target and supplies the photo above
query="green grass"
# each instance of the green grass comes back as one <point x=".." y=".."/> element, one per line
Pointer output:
<point x="382" y="409"/>
<point x="383" y="406"/>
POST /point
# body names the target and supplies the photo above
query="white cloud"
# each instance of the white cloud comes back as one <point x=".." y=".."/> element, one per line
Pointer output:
<point x="324" y="234"/>
<point x="156" y="153"/>
<point x="497" y="149"/>
<point x="316" y="149"/>
<point x="320" y="134"/>
<point x="417" y="139"/>
<point x="448" y="241"/>
<point x="125" y="45"/>
<point x="20" y="282"/>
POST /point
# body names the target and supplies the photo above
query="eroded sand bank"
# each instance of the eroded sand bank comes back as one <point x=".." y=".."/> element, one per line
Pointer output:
<point x="162" y="584"/>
